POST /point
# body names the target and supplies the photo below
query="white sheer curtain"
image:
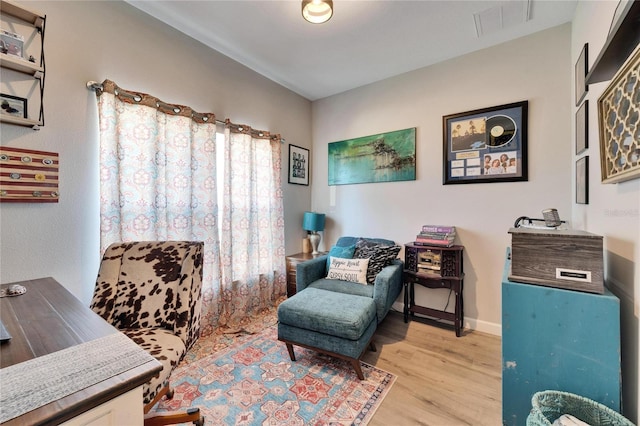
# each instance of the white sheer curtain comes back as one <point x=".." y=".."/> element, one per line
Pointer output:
<point x="158" y="174"/>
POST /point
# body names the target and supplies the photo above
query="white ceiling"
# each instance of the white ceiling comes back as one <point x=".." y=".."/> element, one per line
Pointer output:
<point x="364" y="42"/>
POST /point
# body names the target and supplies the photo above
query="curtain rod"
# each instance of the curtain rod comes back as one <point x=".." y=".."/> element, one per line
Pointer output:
<point x="94" y="85"/>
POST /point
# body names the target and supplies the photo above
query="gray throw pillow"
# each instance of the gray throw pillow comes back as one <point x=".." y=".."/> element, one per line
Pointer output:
<point x="379" y="256"/>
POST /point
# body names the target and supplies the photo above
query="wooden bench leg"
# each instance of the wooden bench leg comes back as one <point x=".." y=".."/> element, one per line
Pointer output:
<point x="355" y="362"/>
<point x="356" y="366"/>
<point x="291" y="354"/>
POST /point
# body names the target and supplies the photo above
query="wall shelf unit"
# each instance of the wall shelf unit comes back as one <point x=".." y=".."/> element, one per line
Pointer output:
<point x="26" y="67"/>
<point x="622" y="40"/>
<point x="37" y="21"/>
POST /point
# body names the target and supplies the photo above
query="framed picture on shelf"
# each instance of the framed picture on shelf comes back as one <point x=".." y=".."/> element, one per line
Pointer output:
<point x="11" y="43"/>
<point x="617" y="122"/>
<point x="582" y="68"/>
<point x="582" y="180"/>
<point x="298" y="165"/>
<point x="582" y="126"/>
<point x="13" y="105"/>
<point x="486" y="145"/>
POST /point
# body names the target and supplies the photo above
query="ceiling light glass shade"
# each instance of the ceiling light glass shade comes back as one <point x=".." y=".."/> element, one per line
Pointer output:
<point x="317" y="11"/>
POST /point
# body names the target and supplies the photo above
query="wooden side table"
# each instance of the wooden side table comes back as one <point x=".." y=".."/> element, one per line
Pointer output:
<point x="292" y="263"/>
<point x="434" y="267"/>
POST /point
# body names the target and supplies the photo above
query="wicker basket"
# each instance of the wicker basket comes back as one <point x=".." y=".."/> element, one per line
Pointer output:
<point x="549" y="405"/>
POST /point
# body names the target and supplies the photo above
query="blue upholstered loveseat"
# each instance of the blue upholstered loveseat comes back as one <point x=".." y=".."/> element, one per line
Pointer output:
<point x="384" y="291"/>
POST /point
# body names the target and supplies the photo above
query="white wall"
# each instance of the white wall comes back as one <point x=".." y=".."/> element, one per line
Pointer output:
<point x="614" y="209"/>
<point x="535" y="68"/>
<point x="98" y="40"/>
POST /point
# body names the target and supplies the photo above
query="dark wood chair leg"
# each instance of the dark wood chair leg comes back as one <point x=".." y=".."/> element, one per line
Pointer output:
<point x="291" y="354"/>
<point x="356" y="366"/>
<point x="372" y="346"/>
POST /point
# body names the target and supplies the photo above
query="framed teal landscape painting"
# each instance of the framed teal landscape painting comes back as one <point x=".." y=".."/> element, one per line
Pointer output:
<point x="385" y="157"/>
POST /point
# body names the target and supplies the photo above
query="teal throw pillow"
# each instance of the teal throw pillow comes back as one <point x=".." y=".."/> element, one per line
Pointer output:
<point x="342" y="252"/>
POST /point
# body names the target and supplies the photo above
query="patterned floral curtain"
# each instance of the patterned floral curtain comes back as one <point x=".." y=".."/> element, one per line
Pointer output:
<point x="158" y="175"/>
<point x="252" y="252"/>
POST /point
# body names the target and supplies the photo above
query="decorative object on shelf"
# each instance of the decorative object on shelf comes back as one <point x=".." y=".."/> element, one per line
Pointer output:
<point x="618" y="109"/>
<point x="317" y="11"/>
<point x="486" y="145"/>
<point x="313" y="222"/>
<point x="582" y="180"/>
<point x="13" y="105"/>
<point x="582" y="67"/>
<point x="11" y="43"/>
<point x="384" y="157"/>
<point x="28" y="176"/>
<point x="582" y="127"/>
<point x="298" y="165"/>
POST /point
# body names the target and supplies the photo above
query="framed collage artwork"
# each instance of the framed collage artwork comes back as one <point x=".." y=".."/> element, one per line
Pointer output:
<point x="486" y="145"/>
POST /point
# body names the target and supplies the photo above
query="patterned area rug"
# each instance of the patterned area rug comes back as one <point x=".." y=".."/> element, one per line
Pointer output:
<point x="253" y="382"/>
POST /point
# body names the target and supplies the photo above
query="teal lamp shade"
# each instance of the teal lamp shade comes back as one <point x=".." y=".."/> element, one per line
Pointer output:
<point x="313" y="221"/>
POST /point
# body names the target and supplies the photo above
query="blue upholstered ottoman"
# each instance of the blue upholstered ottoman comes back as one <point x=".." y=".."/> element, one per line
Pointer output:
<point x="337" y="324"/>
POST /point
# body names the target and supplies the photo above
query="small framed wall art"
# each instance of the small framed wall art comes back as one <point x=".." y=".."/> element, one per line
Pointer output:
<point x="582" y="67"/>
<point x="13" y="105"/>
<point x="298" y="165"/>
<point x="582" y="126"/>
<point x="486" y="145"/>
<point x="582" y="180"/>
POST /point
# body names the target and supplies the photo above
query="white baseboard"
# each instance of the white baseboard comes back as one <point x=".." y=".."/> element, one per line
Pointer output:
<point x="483" y="326"/>
<point x="469" y="323"/>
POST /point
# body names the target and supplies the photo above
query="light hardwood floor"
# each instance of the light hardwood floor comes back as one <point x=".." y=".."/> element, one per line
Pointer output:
<point x="442" y="380"/>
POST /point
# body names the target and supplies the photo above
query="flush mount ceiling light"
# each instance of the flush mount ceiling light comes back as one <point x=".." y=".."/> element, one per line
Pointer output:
<point x="317" y="11"/>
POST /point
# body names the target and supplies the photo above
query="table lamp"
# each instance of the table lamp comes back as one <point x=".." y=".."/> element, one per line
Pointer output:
<point x="313" y="222"/>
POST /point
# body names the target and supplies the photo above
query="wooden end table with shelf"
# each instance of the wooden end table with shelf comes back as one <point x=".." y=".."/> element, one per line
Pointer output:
<point x="292" y="263"/>
<point x="434" y="267"/>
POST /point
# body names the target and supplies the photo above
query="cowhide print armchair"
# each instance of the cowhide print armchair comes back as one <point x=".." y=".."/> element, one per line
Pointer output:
<point x="151" y="291"/>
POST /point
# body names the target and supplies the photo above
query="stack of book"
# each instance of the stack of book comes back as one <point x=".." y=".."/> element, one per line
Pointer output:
<point x="436" y="235"/>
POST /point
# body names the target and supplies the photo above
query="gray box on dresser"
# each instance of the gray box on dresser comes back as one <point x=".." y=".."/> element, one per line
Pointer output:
<point x="568" y="259"/>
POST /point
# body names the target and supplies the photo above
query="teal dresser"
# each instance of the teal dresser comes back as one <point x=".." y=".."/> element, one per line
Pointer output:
<point x="556" y="339"/>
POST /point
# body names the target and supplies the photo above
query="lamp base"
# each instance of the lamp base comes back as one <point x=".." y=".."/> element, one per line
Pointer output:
<point x="315" y="240"/>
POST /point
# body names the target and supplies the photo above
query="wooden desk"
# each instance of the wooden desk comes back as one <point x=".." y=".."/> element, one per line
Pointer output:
<point x="46" y="319"/>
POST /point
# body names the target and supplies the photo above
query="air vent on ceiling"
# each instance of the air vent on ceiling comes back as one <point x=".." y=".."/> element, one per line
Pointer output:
<point x="502" y="16"/>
